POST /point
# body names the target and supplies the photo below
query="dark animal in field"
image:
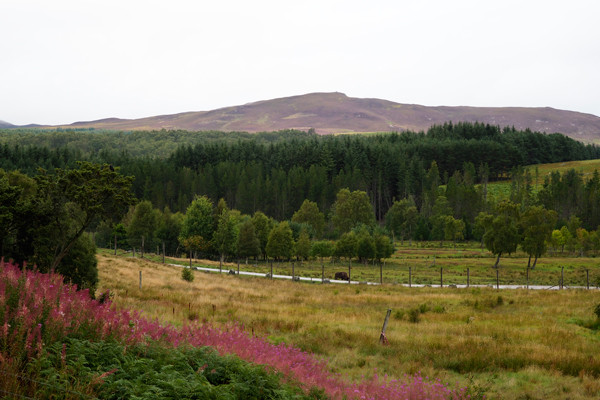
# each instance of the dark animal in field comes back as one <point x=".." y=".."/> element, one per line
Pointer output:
<point x="342" y="276"/>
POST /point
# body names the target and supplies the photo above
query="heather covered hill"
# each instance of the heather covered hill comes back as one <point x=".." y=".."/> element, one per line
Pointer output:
<point x="337" y="113"/>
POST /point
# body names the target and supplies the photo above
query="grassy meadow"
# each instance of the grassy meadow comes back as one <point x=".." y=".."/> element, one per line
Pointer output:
<point x="510" y="344"/>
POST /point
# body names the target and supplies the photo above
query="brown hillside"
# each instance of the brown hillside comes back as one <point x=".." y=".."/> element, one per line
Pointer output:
<point x="337" y="113"/>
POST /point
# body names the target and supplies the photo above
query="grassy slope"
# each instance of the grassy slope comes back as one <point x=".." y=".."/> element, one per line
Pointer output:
<point x="585" y="167"/>
<point x="519" y="344"/>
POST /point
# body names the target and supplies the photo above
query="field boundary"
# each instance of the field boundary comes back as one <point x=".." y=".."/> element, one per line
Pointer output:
<point x="417" y="285"/>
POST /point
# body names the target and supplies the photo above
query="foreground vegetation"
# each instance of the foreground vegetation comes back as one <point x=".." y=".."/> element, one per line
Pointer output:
<point x="56" y="342"/>
<point x="509" y="344"/>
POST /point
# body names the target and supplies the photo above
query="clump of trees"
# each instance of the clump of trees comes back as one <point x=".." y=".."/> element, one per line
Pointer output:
<point x="43" y="219"/>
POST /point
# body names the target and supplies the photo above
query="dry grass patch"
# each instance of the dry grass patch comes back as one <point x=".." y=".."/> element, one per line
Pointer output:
<point x="506" y="341"/>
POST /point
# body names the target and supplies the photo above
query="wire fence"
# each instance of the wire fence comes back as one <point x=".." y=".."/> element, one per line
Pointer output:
<point x="408" y="272"/>
<point x="565" y="277"/>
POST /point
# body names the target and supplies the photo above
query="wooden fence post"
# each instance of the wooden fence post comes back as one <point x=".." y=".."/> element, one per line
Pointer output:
<point x="382" y="338"/>
<point x="562" y="277"/>
<point x="441" y="277"/>
<point x="271" y="269"/>
<point x="468" y="278"/>
<point x="322" y="272"/>
<point x="409" y="276"/>
<point x="140" y="280"/>
<point x="527" y="277"/>
<point x="293" y="271"/>
<point x="587" y="275"/>
<point x="497" y="278"/>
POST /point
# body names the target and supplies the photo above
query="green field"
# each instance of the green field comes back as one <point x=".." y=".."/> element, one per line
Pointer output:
<point x="501" y="189"/>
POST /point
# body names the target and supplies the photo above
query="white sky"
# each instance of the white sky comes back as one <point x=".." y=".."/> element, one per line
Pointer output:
<point x="63" y="61"/>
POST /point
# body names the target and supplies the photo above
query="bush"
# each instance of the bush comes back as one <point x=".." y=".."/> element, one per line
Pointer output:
<point x="439" y="309"/>
<point x="597" y="310"/>
<point x="187" y="275"/>
<point x="414" y="315"/>
<point x="399" y="314"/>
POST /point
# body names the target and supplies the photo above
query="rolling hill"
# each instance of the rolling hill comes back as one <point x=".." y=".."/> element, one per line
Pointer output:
<point x="329" y="113"/>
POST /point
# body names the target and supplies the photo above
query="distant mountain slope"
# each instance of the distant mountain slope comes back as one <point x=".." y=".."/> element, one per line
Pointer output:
<point x="4" y="124"/>
<point x="338" y="113"/>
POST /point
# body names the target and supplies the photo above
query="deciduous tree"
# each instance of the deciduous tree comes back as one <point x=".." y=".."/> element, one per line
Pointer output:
<point x="352" y="208"/>
<point x="309" y="213"/>
<point x="501" y="232"/>
<point x="248" y="244"/>
<point x="281" y="242"/>
<point x="536" y="226"/>
<point x="302" y="246"/>
<point x="198" y="224"/>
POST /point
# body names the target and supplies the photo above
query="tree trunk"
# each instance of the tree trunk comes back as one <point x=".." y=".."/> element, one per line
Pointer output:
<point x="529" y="262"/>
<point x="534" y="262"/>
<point x="497" y="260"/>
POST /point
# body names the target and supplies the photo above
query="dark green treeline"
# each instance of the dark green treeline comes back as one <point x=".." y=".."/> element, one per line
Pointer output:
<point x="275" y="172"/>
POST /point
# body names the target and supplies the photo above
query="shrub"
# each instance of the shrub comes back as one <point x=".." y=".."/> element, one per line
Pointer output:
<point x="187" y="275"/>
<point x="597" y="310"/>
<point x="414" y="315"/>
<point x="439" y="309"/>
<point x="399" y="314"/>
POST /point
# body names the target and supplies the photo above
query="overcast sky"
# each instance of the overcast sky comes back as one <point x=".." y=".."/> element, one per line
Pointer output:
<point x="63" y="61"/>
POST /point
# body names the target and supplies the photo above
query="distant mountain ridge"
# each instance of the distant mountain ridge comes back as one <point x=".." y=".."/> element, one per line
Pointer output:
<point x="329" y="113"/>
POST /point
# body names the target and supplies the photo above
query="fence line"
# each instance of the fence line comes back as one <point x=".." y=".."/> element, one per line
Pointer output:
<point x="492" y="281"/>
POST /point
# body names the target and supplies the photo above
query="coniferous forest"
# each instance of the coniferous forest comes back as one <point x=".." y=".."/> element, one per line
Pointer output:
<point x="276" y="172"/>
